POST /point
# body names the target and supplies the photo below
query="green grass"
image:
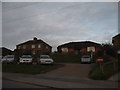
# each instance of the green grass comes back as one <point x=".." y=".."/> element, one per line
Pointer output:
<point x="108" y="71"/>
<point x="29" y="68"/>
<point x="97" y="74"/>
<point x="66" y="58"/>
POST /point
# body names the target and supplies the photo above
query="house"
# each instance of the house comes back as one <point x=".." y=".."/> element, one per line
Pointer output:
<point x="33" y="47"/>
<point x="5" y="51"/>
<point x="79" y="47"/>
<point x="116" y="41"/>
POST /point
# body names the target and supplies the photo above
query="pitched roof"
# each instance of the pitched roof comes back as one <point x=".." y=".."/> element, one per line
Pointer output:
<point x="3" y="48"/>
<point x="34" y="42"/>
<point x="118" y="35"/>
<point x="79" y="44"/>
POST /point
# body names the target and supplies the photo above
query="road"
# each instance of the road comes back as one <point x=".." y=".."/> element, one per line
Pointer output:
<point x="26" y="81"/>
<point x="14" y="84"/>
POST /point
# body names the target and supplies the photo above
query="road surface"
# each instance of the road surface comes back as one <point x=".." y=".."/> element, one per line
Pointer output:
<point x="14" y="84"/>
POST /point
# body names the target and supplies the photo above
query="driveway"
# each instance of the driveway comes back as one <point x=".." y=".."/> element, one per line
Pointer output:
<point x="13" y="80"/>
<point x="74" y="70"/>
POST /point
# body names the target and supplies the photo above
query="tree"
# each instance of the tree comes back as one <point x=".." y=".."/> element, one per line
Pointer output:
<point x="109" y="49"/>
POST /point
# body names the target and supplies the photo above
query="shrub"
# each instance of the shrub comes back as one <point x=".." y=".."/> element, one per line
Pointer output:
<point x="66" y="58"/>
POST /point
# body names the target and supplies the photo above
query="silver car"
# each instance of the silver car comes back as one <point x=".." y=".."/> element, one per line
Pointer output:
<point x="25" y="59"/>
<point x="8" y="58"/>
<point x="86" y="59"/>
<point x="45" y="59"/>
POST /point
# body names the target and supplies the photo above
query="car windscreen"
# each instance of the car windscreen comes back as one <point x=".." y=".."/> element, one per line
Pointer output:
<point x="86" y="57"/>
<point x="44" y="57"/>
<point x="10" y="56"/>
<point x="26" y="56"/>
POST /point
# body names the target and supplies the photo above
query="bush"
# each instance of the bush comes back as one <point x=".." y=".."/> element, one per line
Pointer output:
<point x="108" y="71"/>
<point x="97" y="74"/>
<point x="66" y="58"/>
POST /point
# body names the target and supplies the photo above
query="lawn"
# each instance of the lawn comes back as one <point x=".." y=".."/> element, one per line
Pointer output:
<point x="108" y="70"/>
<point x="29" y="68"/>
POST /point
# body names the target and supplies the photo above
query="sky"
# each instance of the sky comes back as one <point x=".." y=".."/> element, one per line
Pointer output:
<point x="57" y="23"/>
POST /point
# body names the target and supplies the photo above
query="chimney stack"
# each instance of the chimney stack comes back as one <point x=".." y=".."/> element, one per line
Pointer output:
<point x="34" y="38"/>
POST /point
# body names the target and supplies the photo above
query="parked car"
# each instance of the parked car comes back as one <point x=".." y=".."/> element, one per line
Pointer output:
<point x="8" y="59"/>
<point x="25" y="59"/>
<point x="45" y="59"/>
<point x="86" y="59"/>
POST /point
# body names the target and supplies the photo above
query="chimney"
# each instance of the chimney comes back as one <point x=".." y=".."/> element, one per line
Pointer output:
<point x="34" y="38"/>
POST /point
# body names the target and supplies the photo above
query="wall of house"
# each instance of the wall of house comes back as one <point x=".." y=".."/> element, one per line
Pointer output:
<point x="116" y="42"/>
<point x="6" y="52"/>
<point x="34" y="49"/>
<point x="71" y="50"/>
<point x="83" y="50"/>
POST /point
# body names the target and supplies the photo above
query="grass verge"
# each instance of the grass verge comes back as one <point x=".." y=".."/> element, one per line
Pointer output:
<point x="29" y="68"/>
<point x="66" y="58"/>
<point x="108" y="70"/>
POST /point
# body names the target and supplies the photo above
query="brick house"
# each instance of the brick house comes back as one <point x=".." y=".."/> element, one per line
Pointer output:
<point x="5" y="51"/>
<point x="33" y="47"/>
<point x="79" y="47"/>
<point x="116" y="41"/>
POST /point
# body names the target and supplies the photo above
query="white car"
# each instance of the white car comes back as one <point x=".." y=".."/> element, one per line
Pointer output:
<point x="8" y="58"/>
<point x="45" y="59"/>
<point x="25" y="59"/>
<point x="86" y="59"/>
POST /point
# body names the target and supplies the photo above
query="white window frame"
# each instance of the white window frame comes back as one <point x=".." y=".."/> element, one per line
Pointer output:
<point x="39" y="45"/>
<point x="64" y="50"/>
<point x="90" y="49"/>
<point x="33" y="46"/>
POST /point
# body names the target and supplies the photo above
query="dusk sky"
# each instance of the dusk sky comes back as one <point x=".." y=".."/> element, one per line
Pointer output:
<point x="57" y="23"/>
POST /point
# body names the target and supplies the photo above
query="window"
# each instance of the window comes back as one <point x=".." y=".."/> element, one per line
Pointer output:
<point x="64" y="49"/>
<point x="39" y="46"/>
<point x="89" y="49"/>
<point x="46" y="47"/>
<point x="18" y="47"/>
<point x="33" y="46"/>
<point x="24" y="46"/>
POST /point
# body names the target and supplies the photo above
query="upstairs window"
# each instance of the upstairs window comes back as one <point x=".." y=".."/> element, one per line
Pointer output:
<point x="19" y="47"/>
<point x="39" y="46"/>
<point x="64" y="49"/>
<point x="33" y="46"/>
<point x="46" y="47"/>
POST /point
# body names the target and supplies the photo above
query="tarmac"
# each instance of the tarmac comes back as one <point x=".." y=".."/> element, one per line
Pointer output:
<point x="59" y="81"/>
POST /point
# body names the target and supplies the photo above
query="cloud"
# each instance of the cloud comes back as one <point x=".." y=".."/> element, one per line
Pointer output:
<point x="57" y="23"/>
<point x="60" y="1"/>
